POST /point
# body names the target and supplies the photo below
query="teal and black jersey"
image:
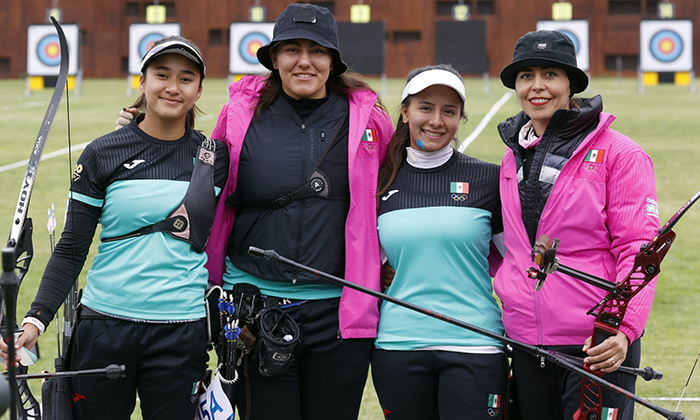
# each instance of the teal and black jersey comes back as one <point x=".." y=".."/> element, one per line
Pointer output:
<point x="435" y="226"/>
<point x="137" y="180"/>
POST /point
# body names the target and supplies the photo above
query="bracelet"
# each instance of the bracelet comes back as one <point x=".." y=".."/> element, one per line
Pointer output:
<point x="34" y="321"/>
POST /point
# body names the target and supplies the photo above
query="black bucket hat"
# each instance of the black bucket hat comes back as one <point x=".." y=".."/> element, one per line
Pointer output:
<point x="305" y="21"/>
<point x="545" y="49"/>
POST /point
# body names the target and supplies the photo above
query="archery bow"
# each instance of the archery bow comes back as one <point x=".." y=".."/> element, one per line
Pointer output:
<point x="20" y="240"/>
<point x="612" y="308"/>
<point x="554" y="357"/>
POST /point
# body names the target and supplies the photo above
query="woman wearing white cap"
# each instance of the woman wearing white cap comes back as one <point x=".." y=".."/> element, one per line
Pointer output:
<point x="145" y="288"/>
<point x="568" y="175"/>
<point x="439" y="220"/>
<point x="308" y="123"/>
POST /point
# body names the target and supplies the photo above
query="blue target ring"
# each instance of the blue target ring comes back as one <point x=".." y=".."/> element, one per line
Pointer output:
<point x="572" y="37"/>
<point x="48" y="50"/>
<point x="666" y="45"/>
<point x="249" y="46"/>
<point x="147" y="41"/>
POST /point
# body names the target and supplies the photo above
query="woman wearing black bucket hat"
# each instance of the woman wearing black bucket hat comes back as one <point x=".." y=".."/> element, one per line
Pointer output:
<point x="309" y="122"/>
<point x="567" y="174"/>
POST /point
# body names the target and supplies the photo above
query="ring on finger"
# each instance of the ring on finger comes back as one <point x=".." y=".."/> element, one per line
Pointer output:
<point x="613" y="359"/>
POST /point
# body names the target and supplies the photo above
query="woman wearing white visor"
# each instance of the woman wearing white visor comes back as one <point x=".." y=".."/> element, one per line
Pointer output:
<point x="439" y="219"/>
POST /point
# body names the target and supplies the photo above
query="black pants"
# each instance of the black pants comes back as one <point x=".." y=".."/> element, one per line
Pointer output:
<point x="444" y="385"/>
<point x="554" y="393"/>
<point x="163" y="362"/>
<point x="325" y="381"/>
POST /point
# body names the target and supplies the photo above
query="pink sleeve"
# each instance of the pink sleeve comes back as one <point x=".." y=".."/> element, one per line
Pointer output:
<point x="633" y="220"/>
<point x="385" y="129"/>
<point x="218" y="238"/>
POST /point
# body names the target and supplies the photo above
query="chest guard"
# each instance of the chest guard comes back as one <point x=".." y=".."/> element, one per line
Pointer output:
<point x="192" y="219"/>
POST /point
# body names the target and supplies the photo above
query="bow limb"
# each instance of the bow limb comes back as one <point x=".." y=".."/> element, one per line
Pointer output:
<point x="20" y="235"/>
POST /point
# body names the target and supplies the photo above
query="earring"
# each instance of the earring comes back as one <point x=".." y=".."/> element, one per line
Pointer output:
<point x="405" y="119"/>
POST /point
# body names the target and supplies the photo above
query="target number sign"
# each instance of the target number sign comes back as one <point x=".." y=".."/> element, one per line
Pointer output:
<point x="246" y="38"/>
<point x="142" y="36"/>
<point x="577" y="31"/>
<point x="666" y="45"/>
<point x="44" y="49"/>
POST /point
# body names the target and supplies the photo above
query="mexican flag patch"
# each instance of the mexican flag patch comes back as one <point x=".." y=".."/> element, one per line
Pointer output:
<point x="459" y="187"/>
<point x="494" y="401"/>
<point x="609" y="413"/>
<point x="370" y="135"/>
<point x="595" y="156"/>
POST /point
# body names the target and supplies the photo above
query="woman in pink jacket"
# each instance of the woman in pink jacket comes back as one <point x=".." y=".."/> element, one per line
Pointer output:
<point x="568" y="175"/>
<point x="305" y="142"/>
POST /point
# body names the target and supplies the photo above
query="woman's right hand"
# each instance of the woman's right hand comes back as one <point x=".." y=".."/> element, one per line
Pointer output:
<point x="26" y="339"/>
<point x="388" y="274"/>
<point x="125" y="117"/>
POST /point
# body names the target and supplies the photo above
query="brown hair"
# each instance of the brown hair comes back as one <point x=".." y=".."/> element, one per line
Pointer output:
<point x="575" y="103"/>
<point x="401" y="139"/>
<point x="342" y="85"/>
<point x="194" y="112"/>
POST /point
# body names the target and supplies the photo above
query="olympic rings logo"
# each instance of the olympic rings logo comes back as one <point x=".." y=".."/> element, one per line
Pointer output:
<point x="493" y="412"/>
<point x="369" y="146"/>
<point x="459" y="197"/>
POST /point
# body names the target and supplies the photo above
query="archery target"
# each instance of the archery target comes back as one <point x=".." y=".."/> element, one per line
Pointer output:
<point x="577" y="31"/>
<point x="142" y="36"/>
<point x="44" y="49"/>
<point x="666" y="45"/>
<point x="246" y="38"/>
<point x="49" y="50"/>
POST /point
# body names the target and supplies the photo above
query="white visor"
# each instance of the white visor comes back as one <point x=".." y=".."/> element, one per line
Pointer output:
<point x="434" y="77"/>
<point x="174" y="47"/>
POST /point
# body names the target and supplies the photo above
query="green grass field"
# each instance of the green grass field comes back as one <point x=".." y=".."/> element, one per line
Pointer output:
<point x="664" y="121"/>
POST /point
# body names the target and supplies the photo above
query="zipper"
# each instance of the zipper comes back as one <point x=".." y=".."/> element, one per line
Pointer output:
<point x="300" y="224"/>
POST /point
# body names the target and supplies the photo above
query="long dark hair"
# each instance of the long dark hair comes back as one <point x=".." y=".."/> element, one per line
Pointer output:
<point x="194" y="112"/>
<point x="401" y="139"/>
<point x="342" y="85"/>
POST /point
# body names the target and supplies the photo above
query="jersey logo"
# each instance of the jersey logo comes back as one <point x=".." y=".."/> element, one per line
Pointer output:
<point x="134" y="163"/>
<point x="594" y="156"/>
<point x="389" y="194"/>
<point x="370" y="135"/>
<point x="459" y="191"/>
<point x="77" y="171"/>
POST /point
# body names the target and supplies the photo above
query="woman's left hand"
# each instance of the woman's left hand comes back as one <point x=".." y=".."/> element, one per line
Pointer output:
<point x="608" y="355"/>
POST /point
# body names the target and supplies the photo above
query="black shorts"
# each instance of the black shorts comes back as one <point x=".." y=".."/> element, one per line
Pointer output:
<point x="444" y="385"/>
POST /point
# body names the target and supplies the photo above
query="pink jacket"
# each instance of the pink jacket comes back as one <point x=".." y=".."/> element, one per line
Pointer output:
<point x="359" y="313"/>
<point x="602" y="213"/>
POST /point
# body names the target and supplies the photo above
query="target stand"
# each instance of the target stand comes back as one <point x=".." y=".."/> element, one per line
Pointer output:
<point x="44" y="58"/>
<point x="466" y="57"/>
<point x="666" y="53"/>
